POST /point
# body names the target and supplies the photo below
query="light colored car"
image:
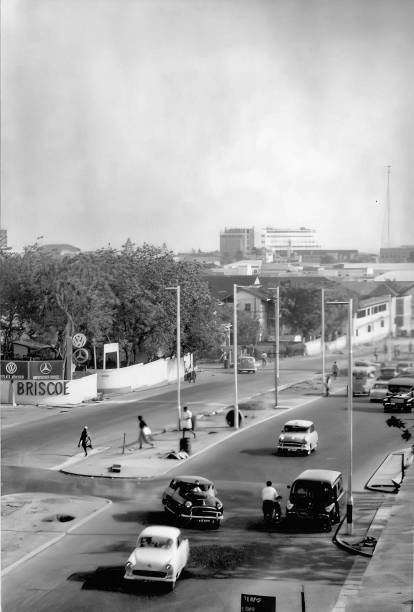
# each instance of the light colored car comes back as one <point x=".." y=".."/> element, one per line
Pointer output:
<point x="378" y="391"/>
<point x="298" y="437"/>
<point x="160" y="555"/>
<point x="246" y="364"/>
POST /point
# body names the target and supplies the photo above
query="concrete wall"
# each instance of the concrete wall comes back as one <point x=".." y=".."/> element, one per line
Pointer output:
<point x="50" y="392"/>
<point x="138" y="376"/>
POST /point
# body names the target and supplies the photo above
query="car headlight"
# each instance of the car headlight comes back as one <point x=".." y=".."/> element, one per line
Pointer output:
<point x="289" y="505"/>
<point x="128" y="567"/>
<point x="281" y="438"/>
<point x="188" y="504"/>
<point x="329" y="508"/>
<point x="219" y="505"/>
<point x="169" y="569"/>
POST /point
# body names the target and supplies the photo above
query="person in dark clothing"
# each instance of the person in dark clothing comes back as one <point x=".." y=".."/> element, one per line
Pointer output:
<point x="85" y="440"/>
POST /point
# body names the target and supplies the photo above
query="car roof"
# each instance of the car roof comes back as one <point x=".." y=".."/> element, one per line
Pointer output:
<point x="192" y="479"/>
<point x="299" y="423"/>
<point x="402" y="380"/>
<point x="160" y="530"/>
<point x="319" y="475"/>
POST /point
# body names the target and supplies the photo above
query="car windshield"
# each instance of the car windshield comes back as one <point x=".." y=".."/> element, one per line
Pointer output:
<point x="187" y="487"/>
<point x="155" y="542"/>
<point x="310" y="491"/>
<point x="379" y="386"/>
<point x="296" y="429"/>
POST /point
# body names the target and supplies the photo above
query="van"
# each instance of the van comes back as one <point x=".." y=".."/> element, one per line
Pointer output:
<point x="246" y="364"/>
<point x="362" y="380"/>
<point x="317" y="495"/>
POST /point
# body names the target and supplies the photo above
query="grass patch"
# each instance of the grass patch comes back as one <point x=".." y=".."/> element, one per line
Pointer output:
<point x="219" y="557"/>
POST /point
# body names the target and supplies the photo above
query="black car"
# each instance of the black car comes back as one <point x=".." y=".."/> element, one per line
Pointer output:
<point x="399" y="402"/>
<point x="193" y="499"/>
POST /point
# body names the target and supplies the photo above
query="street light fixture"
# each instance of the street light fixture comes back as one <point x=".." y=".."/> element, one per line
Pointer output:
<point x="178" y="350"/>
<point x="350" y="499"/>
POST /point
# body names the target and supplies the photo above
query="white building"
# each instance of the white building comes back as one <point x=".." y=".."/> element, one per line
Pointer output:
<point x="265" y="242"/>
<point x="277" y="240"/>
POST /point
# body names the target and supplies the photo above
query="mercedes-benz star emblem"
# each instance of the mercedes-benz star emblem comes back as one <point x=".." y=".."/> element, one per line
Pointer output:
<point x="45" y="367"/>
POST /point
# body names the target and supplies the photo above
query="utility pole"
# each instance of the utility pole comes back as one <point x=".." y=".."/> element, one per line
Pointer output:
<point x="323" y="337"/>
<point x="388" y="208"/>
<point x="276" y="302"/>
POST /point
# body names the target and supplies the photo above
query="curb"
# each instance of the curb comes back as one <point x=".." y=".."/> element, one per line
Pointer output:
<point x="373" y="527"/>
<point x="53" y="541"/>
<point x="196" y="454"/>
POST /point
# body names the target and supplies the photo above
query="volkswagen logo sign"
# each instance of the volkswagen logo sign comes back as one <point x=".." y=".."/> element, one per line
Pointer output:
<point x="45" y="367"/>
<point x="11" y="367"/>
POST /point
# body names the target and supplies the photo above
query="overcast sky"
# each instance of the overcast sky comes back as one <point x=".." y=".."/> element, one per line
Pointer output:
<point x="168" y="120"/>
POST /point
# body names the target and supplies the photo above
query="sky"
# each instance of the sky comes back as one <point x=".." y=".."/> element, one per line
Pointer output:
<point x="165" y="121"/>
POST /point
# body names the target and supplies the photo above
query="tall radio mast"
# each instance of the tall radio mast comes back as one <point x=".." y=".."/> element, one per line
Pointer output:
<point x="388" y="209"/>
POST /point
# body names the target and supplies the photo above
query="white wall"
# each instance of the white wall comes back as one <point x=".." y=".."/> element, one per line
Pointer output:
<point x="50" y="392"/>
<point x="138" y="376"/>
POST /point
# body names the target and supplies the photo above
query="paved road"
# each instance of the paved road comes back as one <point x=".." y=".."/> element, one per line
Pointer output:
<point x="91" y="557"/>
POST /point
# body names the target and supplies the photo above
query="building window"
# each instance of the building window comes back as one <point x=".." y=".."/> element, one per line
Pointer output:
<point x="369" y="328"/>
<point x="248" y="307"/>
<point x="382" y="323"/>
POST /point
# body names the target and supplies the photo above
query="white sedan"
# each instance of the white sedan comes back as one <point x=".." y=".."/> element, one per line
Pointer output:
<point x="298" y="437"/>
<point x="379" y="391"/>
<point x="160" y="555"/>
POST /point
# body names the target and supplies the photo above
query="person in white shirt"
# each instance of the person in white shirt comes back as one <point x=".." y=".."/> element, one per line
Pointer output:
<point x="187" y="421"/>
<point x="269" y="499"/>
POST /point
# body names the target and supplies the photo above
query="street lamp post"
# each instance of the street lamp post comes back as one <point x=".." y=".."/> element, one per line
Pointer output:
<point x="235" y="350"/>
<point x="236" y="399"/>
<point x="276" y="302"/>
<point x="178" y="350"/>
<point x="350" y="499"/>
<point x="323" y="337"/>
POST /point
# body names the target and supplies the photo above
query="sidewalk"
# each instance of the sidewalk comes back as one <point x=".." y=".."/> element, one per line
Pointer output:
<point x="385" y="535"/>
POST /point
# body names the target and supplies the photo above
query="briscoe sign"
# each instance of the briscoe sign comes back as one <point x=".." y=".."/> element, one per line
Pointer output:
<point x="36" y="370"/>
<point x="28" y="387"/>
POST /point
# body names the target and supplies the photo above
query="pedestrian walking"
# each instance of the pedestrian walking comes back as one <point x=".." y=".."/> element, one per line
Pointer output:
<point x="85" y="440"/>
<point x="144" y="433"/>
<point x="327" y="385"/>
<point x="334" y="370"/>
<point x="264" y="359"/>
<point x="187" y="421"/>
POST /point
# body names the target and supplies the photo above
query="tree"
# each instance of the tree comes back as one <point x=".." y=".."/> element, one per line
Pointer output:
<point x="402" y="425"/>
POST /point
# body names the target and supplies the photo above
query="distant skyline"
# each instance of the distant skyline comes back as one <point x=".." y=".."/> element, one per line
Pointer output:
<point x="167" y="121"/>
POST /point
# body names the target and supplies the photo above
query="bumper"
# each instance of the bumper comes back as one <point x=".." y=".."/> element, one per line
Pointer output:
<point x="188" y="516"/>
<point x="140" y="578"/>
<point x="297" y="450"/>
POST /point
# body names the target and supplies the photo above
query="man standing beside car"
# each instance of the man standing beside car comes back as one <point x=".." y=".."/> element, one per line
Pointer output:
<point x="269" y="499"/>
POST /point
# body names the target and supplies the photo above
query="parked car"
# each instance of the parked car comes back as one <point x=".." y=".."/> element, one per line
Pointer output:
<point x="317" y="495"/>
<point x="363" y="379"/>
<point x="247" y="365"/>
<point x="403" y="366"/>
<point x="193" y="499"/>
<point x="387" y="372"/>
<point x="299" y="437"/>
<point x="378" y="391"/>
<point x="160" y="555"/>
<point x="399" y="402"/>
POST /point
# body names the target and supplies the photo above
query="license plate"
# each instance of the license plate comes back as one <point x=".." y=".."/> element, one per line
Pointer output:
<point x="399" y="401"/>
<point x="203" y="520"/>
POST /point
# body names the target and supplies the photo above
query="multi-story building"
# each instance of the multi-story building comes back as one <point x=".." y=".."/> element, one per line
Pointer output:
<point x="265" y="242"/>
<point x="284" y="241"/>
<point x="399" y="254"/>
<point x="236" y="243"/>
